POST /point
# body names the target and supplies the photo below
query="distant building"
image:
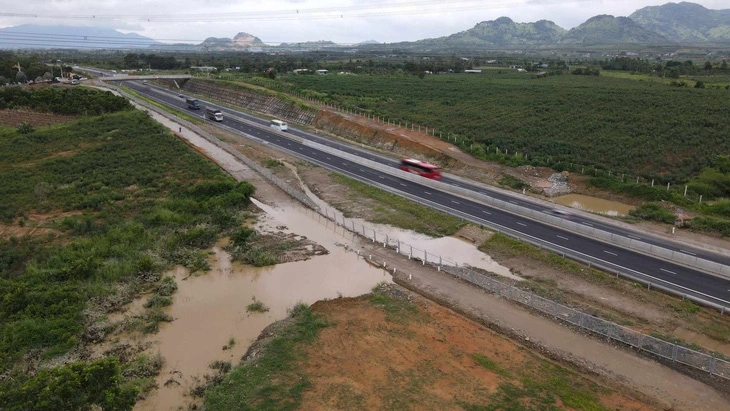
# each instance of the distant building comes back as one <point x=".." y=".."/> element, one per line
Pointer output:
<point x="297" y="71"/>
<point x="322" y="72"/>
<point x="472" y="71"/>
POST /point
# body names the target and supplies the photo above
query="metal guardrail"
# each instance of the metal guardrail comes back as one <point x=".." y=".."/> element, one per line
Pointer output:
<point x="676" y="353"/>
<point x="670" y="351"/>
<point x="591" y="232"/>
<point x="591" y="261"/>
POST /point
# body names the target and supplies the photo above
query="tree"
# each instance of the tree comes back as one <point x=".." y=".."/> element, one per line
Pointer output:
<point x="708" y="66"/>
<point x="20" y="77"/>
<point x="699" y="84"/>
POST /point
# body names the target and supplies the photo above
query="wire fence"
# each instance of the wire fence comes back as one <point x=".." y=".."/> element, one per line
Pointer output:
<point x="676" y="353"/>
<point x="664" y="189"/>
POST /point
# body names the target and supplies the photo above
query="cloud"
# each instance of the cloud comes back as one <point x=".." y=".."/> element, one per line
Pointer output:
<point x="344" y="21"/>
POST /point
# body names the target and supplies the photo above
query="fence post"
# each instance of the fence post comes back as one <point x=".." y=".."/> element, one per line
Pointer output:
<point x="410" y="254"/>
<point x="385" y="244"/>
<point x="425" y="257"/>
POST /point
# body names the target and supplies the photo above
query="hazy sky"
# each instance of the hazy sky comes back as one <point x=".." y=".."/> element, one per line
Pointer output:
<point x="344" y="21"/>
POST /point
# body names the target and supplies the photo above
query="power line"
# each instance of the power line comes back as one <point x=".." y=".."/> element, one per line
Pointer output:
<point x="372" y="9"/>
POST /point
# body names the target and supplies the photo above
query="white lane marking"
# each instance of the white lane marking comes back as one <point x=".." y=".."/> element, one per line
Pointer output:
<point x="670" y="272"/>
<point x="344" y="164"/>
<point x="513" y="202"/>
<point x="564" y="238"/>
<point x="328" y="157"/>
<point x="454" y="201"/>
<point x="687" y="252"/>
<point x="608" y="252"/>
<point x="362" y="170"/>
<point x="402" y="184"/>
<point x="427" y="192"/>
<point x="522" y="224"/>
<point x="634" y="237"/>
<point x="486" y="212"/>
<point x="381" y="177"/>
<point x="588" y="224"/>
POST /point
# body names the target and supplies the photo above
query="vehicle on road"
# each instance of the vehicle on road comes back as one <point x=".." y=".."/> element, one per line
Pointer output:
<point x="192" y="103"/>
<point x="214" y="114"/>
<point x="279" y="125"/>
<point x="421" y="168"/>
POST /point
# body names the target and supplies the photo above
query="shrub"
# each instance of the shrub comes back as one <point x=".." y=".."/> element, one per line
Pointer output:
<point x="653" y="212"/>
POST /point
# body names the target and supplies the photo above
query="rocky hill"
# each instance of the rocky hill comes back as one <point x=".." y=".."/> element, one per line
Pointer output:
<point x="605" y="29"/>
<point x="685" y="22"/>
<point x="504" y="32"/>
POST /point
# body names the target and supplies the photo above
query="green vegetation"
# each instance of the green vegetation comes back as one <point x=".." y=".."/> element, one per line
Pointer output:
<point x="540" y="386"/>
<point x="251" y="247"/>
<point x="513" y="182"/>
<point x="397" y="308"/>
<point x="403" y="213"/>
<point x="620" y="125"/>
<point x="653" y="212"/>
<point x="487" y="363"/>
<point x="77" y="100"/>
<point x="272" y="380"/>
<point x="135" y="201"/>
<point x="257" y="306"/>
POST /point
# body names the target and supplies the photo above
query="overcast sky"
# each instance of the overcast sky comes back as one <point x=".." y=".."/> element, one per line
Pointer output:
<point x="344" y="21"/>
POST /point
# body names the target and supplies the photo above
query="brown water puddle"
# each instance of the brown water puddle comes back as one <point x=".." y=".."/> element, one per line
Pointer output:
<point x="210" y="309"/>
<point x="594" y="205"/>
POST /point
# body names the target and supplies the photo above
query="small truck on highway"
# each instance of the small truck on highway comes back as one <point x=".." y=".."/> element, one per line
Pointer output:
<point x="214" y="114"/>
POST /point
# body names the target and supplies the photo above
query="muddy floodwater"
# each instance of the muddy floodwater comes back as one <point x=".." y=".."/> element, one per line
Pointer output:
<point x="209" y="309"/>
<point x="594" y="205"/>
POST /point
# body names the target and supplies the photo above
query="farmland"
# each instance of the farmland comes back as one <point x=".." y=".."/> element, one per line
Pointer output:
<point x="120" y="200"/>
<point x="625" y="126"/>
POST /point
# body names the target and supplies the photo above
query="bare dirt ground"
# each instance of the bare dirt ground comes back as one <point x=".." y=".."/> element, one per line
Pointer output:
<point x="421" y="355"/>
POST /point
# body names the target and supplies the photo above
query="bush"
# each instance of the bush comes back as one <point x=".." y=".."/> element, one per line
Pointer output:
<point x="25" y="128"/>
<point x="653" y="212"/>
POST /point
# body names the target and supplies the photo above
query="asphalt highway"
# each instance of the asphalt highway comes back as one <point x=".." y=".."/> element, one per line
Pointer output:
<point x="680" y="279"/>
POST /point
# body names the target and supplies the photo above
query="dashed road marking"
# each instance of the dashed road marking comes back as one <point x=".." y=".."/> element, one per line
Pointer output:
<point x="667" y="271"/>
<point x="564" y="238"/>
<point x="454" y="201"/>
<point x="522" y="224"/>
<point x="427" y="192"/>
<point x="513" y="202"/>
<point x="608" y="252"/>
<point x="486" y="212"/>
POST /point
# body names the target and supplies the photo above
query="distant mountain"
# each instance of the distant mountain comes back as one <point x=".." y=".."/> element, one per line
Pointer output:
<point x="503" y="32"/>
<point x="242" y="41"/>
<point x="32" y="36"/>
<point x="685" y="22"/>
<point x="605" y="29"/>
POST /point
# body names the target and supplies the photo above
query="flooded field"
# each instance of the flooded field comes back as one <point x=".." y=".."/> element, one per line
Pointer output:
<point x="210" y="310"/>
<point x="594" y="205"/>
